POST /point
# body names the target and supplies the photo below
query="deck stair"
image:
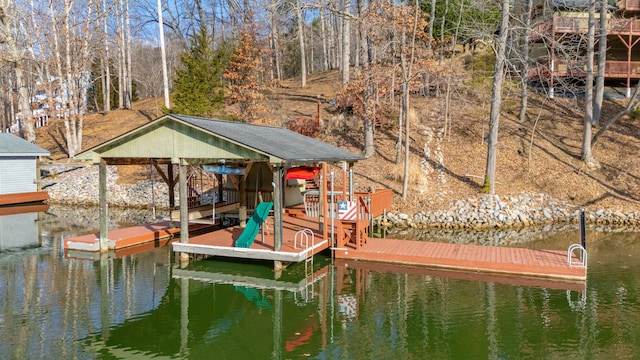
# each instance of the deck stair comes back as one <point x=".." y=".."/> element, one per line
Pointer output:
<point x="253" y="225"/>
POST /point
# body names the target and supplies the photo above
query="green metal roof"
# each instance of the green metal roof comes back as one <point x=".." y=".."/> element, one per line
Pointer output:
<point x="12" y="146"/>
<point x="188" y="137"/>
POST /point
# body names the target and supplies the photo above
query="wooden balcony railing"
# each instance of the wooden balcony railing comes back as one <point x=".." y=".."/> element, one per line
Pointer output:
<point x="613" y="69"/>
<point x="566" y="24"/>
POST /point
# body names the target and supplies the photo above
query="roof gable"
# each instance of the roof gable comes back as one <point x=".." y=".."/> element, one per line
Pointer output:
<point x="187" y="137"/>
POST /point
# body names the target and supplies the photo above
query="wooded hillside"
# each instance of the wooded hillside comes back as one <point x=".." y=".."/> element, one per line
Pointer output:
<point x="445" y="166"/>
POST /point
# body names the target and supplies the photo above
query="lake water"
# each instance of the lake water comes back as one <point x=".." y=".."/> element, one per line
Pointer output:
<point x="143" y="306"/>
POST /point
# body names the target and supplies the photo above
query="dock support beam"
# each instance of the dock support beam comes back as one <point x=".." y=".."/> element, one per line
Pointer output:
<point x="184" y="210"/>
<point x="278" y="208"/>
<point x="102" y="196"/>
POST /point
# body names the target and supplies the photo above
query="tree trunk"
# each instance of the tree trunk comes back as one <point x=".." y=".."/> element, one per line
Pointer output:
<point x="122" y="72"/>
<point x="275" y="38"/>
<point x="587" y="156"/>
<point x="163" y="50"/>
<point x="303" y="61"/>
<point x="129" y="80"/>
<point x="496" y="101"/>
<point x="24" y="106"/>
<point x="369" y="121"/>
<point x="602" y="61"/>
<point x="524" y="63"/>
<point x="407" y="71"/>
<point x="323" y="34"/>
<point x="333" y="47"/>
<point x="346" y="42"/>
<point x="106" y="90"/>
<point x="70" y="121"/>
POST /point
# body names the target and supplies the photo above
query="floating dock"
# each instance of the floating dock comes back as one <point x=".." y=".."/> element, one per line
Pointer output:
<point x="533" y="263"/>
<point x="301" y="241"/>
<point x="130" y="236"/>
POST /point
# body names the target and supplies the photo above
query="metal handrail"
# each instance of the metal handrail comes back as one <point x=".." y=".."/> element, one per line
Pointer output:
<point x="573" y="247"/>
<point x="303" y="235"/>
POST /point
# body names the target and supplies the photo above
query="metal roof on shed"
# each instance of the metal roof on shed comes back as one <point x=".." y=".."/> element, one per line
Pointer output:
<point x="279" y="144"/>
<point x="12" y="146"/>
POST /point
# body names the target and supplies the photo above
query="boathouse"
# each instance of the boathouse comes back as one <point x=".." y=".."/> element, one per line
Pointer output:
<point x="264" y="172"/>
<point x="19" y="171"/>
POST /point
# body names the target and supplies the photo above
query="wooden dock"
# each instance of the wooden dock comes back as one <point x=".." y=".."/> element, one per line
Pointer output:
<point x="532" y="263"/>
<point x="130" y="236"/>
<point x="221" y="242"/>
<point x="302" y="239"/>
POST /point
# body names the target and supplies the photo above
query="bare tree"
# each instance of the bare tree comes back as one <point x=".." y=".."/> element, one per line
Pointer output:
<point x="105" y="61"/>
<point x="587" y="155"/>
<point x="303" y="62"/>
<point x="163" y="55"/>
<point x="346" y="41"/>
<point x="496" y="100"/>
<point x="602" y="62"/>
<point x="17" y="47"/>
<point x="524" y="59"/>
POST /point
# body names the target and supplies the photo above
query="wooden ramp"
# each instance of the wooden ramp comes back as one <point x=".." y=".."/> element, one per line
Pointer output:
<point x="130" y="236"/>
<point x="471" y="258"/>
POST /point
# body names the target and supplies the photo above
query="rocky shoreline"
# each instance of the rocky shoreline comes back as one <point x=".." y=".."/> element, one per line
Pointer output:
<point x="69" y="184"/>
<point x="507" y="212"/>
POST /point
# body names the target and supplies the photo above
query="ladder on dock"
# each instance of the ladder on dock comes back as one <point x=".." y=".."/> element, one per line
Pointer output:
<point x="302" y="238"/>
<point x="582" y="255"/>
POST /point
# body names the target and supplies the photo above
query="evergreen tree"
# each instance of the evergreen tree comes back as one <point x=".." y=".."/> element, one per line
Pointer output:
<point x="198" y="89"/>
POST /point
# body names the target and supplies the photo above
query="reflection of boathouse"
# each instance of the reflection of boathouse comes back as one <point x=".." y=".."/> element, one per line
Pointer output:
<point x="20" y="226"/>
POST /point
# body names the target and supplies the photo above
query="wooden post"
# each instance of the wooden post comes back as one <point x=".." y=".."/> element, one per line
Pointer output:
<point x="171" y="185"/>
<point x="322" y="201"/>
<point x="344" y="182"/>
<point x="277" y="209"/>
<point x="184" y="209"/>
<point x="102" y="198"/>
<point x="242" y="189"/>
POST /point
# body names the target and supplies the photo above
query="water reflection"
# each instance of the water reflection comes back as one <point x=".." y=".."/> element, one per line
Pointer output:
<point x="141" y="305"/>
<point x="20" y="226"/>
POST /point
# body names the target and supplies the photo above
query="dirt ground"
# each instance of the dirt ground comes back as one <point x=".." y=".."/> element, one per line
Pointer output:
<point x="448" y="154"/>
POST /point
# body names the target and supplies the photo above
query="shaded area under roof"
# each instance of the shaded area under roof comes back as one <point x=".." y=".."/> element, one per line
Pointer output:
<point x="12" y="145"/>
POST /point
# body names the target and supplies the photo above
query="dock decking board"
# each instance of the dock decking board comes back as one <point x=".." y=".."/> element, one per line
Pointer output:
<point x="474" y="258"/>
